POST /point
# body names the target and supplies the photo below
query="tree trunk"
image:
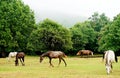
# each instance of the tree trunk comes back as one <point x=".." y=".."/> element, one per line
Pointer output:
<point x="2" y="53"/>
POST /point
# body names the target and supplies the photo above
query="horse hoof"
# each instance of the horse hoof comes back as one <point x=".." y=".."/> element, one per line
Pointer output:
<point x="23" y="65"/>
<point x="107" y="73"/>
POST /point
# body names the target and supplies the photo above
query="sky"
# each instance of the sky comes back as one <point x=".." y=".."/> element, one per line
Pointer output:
<point x="76" y="7"/>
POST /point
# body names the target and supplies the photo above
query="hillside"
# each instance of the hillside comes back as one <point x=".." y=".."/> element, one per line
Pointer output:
<point x="64" y="19"/>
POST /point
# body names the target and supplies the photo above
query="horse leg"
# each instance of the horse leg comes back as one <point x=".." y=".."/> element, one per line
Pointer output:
<point x="8" y="59"/>
<point x="64" y="61"/>
<point x="50" y="59"/>
<point x="59" y="61"/>
<point x="81" y="55"/>
<point x="111" y="68"/>
<point x="23" y="59"/>
<point x="21" y="62"/>
<point x="16" y="62"/>
<point x="87" y="55"/>
<point x="116" y="59"/>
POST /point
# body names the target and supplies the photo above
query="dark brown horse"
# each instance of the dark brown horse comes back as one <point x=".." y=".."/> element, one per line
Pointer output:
<point x="53" y="54"/>
<point x="20" y="56"/>
<point x="85" y="52"/>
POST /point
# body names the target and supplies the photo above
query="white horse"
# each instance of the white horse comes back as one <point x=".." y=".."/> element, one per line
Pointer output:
<point x="12" y="55"/>
<point x="109" y="58"/>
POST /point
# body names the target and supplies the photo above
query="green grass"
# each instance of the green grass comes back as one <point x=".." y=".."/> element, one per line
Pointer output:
<point x="77" y="68"/>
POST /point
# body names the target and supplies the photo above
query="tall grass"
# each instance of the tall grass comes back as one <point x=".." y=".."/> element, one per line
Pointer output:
<point x="76" y="68"/>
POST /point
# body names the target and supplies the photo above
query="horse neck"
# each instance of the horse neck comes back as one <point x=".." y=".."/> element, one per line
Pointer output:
<point x="45" y="54"/>
<point x="107" y="58"/>
<point x="80" y="52"/>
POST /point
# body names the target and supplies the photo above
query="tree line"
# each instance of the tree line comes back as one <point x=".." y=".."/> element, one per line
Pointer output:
<point x="20" y="32"/>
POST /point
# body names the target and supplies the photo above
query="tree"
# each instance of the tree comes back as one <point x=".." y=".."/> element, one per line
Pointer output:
<point x="17" y="22"/>
<point x="50" y="36"/>
<point x="83" y="36"/>
<point x="98" y="21"/>
<point x="110" y="37"/>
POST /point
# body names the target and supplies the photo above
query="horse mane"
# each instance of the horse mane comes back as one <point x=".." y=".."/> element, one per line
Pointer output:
<point x="45" y="54"/>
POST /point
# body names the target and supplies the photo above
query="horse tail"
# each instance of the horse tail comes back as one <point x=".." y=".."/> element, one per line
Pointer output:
<point x="116" y="59"/>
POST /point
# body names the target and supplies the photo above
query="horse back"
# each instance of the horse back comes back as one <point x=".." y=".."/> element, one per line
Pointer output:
<point x="12" y="55"/>
<point x="20" y="54"/>
<point x="86" y="52"/>
<point x="109" y="55"/>
<point x="56" y="54"/>
<point x="62" y="54"/>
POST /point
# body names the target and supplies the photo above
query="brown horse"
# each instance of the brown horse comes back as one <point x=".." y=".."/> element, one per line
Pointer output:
<point x="53" y="54"/>
<point x="20" y="56"/>
<point x="85" y="52"/>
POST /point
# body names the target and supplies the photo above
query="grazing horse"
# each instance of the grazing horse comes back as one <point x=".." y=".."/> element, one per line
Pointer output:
<point x="109" y="58"/>
<point x="11" y="55"/>
<point x="20" y="56"/>
<point x="53" y="54"/>
<point x="84" y="52"/>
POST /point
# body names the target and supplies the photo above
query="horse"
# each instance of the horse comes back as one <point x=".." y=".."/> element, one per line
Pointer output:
<point x="109" y="57"/>
<point x="84" y="52"/>
<point x="20" y="56"/>
<point x="54" y="54"/>
<point x="116" y="59"/>
<point x="11" y="55"/>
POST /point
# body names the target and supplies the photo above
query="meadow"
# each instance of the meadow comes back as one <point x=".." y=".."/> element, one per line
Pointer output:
<point x="76" y="68"/>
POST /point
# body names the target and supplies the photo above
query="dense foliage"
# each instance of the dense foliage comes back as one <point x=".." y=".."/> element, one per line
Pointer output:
<point x="111" y="36"/>
<point x="83" y="36"/>
<point x="50" y="36"/>
<point x="97" y="22"/>
<point x="16" y="23"/>
<point x="19" y="32"/>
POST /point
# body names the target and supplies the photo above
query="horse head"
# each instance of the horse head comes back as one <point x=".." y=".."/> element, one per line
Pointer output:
<point x="91" y="53"/>
<point x="41" y="59"/>
<point x="79" y="53"/>
<point x="108" y="68"/>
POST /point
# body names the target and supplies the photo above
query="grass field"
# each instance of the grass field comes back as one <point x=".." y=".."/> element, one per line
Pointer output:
<point x="77" y="68"/>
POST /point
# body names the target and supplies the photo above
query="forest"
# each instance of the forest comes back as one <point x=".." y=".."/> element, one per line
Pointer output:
<point x="20" y="32"/>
